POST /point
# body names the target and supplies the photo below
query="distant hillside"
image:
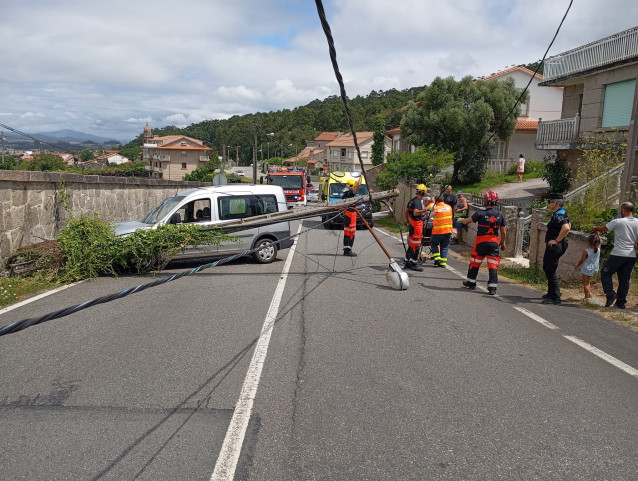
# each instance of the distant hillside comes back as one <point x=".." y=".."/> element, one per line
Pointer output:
<point x="62" y="140"/>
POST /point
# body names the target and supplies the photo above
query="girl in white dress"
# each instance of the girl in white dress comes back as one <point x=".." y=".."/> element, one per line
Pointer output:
<point x="589" y="263"/>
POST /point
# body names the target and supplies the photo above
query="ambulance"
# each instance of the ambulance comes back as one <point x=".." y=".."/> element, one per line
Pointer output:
<point x="331" y="189"/>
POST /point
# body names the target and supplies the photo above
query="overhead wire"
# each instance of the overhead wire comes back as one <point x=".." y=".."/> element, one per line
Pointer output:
<point x="37" y="141"/>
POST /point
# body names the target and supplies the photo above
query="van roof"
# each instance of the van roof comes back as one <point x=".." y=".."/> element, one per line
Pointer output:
<point x="230" y="188"/>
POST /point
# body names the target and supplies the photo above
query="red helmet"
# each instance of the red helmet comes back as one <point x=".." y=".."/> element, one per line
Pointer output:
<point x="490" y="197"/>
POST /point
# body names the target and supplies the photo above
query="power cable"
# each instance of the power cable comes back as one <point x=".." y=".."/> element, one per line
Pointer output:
<point x="23" y="324"/>
<point x="37" y="141"/>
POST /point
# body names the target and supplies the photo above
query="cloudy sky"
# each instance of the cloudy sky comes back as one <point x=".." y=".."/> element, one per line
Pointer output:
<point x="108" y="68"/>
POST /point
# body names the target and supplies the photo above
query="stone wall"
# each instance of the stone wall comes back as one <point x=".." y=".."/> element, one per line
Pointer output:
<point x="35" y="206"/>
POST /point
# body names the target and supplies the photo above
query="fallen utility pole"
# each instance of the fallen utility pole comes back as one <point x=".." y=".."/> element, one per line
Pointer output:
<point x="304" y="212"/>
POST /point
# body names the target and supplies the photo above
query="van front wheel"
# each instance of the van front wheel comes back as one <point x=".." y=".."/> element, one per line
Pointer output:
<point x="267" y="253"/>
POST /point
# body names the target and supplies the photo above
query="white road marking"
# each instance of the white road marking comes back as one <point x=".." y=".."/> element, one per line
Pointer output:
<point x="537" y="318"/>
<point x="229" y="455"/>
<point x="604" y="356"/>
<point x="35" y="298"/>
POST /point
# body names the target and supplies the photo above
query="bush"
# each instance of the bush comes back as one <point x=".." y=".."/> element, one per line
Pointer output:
<point x="557" y="173"/>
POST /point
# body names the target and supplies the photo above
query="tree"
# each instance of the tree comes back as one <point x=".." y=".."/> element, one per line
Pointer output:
<point x="86" y="155"/>
<point x="46" y="162"/>
<point x="461" y="117"/>
<point x="378" y="147"/>
<point x="419" y="167"/>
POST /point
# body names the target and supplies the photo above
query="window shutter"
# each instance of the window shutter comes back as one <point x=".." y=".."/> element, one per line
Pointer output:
<point x="619" y="99"/>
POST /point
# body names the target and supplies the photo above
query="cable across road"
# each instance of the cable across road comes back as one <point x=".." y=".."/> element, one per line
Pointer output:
<point x="23" y="324"/>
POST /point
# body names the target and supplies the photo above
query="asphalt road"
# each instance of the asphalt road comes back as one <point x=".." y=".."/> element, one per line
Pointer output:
<point x="359" y="382"/>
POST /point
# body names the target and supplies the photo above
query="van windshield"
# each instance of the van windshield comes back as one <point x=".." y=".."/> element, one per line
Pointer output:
<point x="162" y="210"/>
<point x="336" y="190"/>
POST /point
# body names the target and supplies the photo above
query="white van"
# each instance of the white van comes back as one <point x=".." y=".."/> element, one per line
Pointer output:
<point x="216" y="205"/>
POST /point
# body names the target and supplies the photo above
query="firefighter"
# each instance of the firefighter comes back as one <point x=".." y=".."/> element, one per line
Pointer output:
<point x="491" y="224"/>
<point x="415" y="214"/>
<point x="441" y="231"/>
<point x="350" y="218"/>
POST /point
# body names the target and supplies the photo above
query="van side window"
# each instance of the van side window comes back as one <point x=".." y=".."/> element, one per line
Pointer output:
<point x="195" y="211"/>
<point x="240" y="207"/>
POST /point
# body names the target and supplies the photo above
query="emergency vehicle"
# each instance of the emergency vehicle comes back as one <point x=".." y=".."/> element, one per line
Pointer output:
<point x="292" y="181"/>
<point x="331" y="189"/>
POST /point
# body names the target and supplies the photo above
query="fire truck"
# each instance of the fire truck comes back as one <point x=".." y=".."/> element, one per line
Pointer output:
<point x="292" y="181"/>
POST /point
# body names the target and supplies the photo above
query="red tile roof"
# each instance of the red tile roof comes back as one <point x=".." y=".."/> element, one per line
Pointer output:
<point x="527" y="125"/>
<point x="511" y="69"/>
<point x="329" y="136"/>
<point x="346" y="140"/>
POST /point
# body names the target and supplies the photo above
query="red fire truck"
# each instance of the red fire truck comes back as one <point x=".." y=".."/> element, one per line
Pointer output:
<point x="293" y="182"/>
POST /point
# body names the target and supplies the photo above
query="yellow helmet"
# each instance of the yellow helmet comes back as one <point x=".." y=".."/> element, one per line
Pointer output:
<point x="350" y="183"/>
<point x="421" y="189"/>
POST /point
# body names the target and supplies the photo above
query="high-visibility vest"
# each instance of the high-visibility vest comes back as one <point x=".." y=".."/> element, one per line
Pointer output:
<point x="442" y="222"/>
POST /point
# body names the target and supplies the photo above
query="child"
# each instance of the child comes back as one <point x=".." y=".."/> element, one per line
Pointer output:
<point x="589" y="262"/>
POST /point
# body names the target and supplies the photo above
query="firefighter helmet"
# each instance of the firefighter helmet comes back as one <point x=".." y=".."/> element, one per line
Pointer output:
<point x="421" y="189"/>
<point x="351" y="183"/>
<point x="490" y="198"/>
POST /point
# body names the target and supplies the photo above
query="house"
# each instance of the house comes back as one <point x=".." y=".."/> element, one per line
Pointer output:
<point x="542" y="103"/>
<point x="340" y="153"/>
<point x="599" y="99"/>
<point x="112" y="158"/>
<point x="173" y="156"/>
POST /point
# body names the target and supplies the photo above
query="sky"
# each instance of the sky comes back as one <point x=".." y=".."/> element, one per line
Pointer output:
<point x="109" y="68"/>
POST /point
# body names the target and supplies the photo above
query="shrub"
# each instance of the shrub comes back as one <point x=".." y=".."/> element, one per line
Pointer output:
<point x="557" y="173"/>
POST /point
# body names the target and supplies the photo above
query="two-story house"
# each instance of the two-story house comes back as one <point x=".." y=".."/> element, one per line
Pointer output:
<point x="341" y="154"/>
<point x="542" y="103"/>
<point x="599" y="99"/>
<point x="173" y="156"/>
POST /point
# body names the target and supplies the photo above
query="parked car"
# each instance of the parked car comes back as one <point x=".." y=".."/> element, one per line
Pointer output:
<point x="313" y="195"/>
<point x="240" y="173"/>
<point x="216" y="205"/>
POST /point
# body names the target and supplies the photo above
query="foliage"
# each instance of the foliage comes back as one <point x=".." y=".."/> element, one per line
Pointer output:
<point x="533" y="167"/>
<point x="461" y="117"/>
<point x="204" y="173"/>
<point x="420" y="167"/>
<point x="86" y="155"/>
<point x="14" y="289"/>
<point x="9" y="163"/>
<point x="557" y="173"/>
<point x="136" y="168"/>
<point x="132" y="153"/>
<point x="530" y="275"/>
<point x="44" y="162"/>
<point x="379" y="138"/>
<point x="390" y="222"/>
<point x="92" y="249"/>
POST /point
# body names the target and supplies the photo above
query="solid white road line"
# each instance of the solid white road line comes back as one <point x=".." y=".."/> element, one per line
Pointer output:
<point x="229" y="454"/>
<point x="604" y="356"/>
<point x="531" y="315"/>
<point x="35" y="298"/>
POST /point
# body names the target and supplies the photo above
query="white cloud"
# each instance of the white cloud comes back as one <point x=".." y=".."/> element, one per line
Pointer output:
<point x="76" y="67"/>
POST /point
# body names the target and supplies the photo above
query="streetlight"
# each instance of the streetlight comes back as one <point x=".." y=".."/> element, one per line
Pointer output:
<point x="228" y="154"/>
<point x="271" y="134"/>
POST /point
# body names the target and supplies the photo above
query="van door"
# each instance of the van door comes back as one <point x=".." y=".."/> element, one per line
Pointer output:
<point x="233" y="207"/>
<point x="197" y="212"/>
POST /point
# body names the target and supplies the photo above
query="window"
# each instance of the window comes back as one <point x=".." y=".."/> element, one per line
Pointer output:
<point x="364" y="154"/>
<point x="619" y="100"/>
<point x="335" y="154"/>
<point x="349" y="155"/>
<point x="183" y="154"/>
<point x="525" y="108"/>
<point x="239" y="207"/>
<point x="498" y="151"/>
<point x="183" y="165"/>
<point x="343" y="152"/>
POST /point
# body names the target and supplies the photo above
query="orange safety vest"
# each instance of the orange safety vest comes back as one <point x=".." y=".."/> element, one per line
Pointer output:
<point x="442" y="221"/>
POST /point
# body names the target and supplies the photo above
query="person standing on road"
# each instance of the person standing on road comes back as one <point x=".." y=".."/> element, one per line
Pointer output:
<point x="491" y="226"/>
<point x="415" y="214"/>
<point x="441" y="232"/>
<point x="555" y="246"/>
<point x="350" y="218"/>
<point x="520" y="169"/>
<point x="448" y="197"/>
<point x="622" y="258"/>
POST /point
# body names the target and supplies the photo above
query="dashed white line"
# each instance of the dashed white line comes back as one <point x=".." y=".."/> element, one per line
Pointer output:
<point x="604" y="356"/>
<point x="537" y="318"/>
<point x="231" y="448"/>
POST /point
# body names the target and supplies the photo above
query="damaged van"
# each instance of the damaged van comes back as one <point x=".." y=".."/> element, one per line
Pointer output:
<point x="216" y="205"/>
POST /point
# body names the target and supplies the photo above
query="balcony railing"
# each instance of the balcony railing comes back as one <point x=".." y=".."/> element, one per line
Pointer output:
<point x="557" y="134"/>
<point x="618" y="47"/>
<point x="204" y="158"/>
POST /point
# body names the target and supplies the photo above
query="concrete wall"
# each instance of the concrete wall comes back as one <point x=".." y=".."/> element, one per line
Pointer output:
<point x="35" y="206"/>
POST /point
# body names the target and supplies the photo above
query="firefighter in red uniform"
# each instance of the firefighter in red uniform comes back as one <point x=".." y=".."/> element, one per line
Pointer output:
<point x="491" y="223"/>
<point x="350" y="218"/>
<point x="414" y="214"/>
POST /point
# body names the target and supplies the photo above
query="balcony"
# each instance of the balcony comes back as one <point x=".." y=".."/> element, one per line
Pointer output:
<point x="204" y="158"/>
<point x="151" y="168"/>
<point x="616" y="49"/>
<point x="557" y="134"/>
